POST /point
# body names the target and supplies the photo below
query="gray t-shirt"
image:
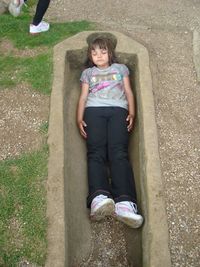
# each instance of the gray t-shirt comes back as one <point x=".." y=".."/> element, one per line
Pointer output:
<point x="106" y="87"/>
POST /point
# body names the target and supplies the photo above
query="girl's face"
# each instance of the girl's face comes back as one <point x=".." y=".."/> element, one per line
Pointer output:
<point x="100" y="57"/>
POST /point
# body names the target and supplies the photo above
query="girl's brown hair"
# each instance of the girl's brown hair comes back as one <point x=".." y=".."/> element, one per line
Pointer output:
<point x="102" y="43"/>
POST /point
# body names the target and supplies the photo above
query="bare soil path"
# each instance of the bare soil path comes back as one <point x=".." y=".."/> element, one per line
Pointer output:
<point x="22" y="111"/>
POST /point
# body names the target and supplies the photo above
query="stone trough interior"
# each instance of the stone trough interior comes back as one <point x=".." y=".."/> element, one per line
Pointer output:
<point x="79" y="229"/>
<point x="70" y="231"/>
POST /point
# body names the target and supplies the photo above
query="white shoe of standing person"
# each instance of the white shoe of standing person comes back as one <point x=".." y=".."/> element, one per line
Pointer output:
<point x="41" y="27"/>
<point x="15" y="7"/>
<point x="126" y="212"/>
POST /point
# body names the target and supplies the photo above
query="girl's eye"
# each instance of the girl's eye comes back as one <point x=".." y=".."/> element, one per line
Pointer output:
<point x="104" y="51"/>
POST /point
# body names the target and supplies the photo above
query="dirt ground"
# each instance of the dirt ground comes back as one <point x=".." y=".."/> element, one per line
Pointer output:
<point x="22" y="112"/>
<point x="166" y="30"/>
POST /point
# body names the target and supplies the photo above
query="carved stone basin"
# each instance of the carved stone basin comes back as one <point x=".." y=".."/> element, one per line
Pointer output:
<point x="69" y="233"/>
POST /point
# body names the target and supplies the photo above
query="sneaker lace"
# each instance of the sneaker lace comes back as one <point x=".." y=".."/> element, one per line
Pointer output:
<point x="134" y="207"/>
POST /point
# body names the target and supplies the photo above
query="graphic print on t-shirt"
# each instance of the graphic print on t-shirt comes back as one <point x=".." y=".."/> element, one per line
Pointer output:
<point x="99" y="82"/>
<point x="106" y="86"/>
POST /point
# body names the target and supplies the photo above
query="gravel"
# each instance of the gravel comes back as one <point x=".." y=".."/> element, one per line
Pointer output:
<point x="22" y="113"/>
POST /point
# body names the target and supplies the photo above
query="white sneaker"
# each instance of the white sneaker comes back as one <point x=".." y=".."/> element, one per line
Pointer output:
<point x="126" y="212"/>
<point x="15" y="7"/>
<point x="41" y="27"/>
<point x="101" y="207"/>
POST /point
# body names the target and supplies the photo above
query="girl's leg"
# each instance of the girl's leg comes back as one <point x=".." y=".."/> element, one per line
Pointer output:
<point x="123" y="185"/>
<point x="40" y="11"/>
<point x="97" y="152"/>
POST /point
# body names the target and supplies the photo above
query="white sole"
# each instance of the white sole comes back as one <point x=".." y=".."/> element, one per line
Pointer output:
<point x="37" y="32"/>
<point x="131" y="222"/>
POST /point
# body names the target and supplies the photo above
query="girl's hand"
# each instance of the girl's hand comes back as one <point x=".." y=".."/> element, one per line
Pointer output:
<point x="81" y="126"/>
<point x="130" y="120"/>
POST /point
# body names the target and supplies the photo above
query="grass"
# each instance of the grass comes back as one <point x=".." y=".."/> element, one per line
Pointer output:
<point x="23" y="223"/>
<point x="44" y="127"/>
<point x="22" y="209"/>
<point x="36" y="70"/>
<point x="16" y="30"/>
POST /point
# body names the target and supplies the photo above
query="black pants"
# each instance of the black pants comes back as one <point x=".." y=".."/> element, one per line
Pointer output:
<point x="40" y="11"/>
<point x="107" y="145"/>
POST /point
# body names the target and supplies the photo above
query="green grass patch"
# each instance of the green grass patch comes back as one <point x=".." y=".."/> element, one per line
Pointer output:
<point x="44" y="127"/>
<point x="23" y="224"/>
<point x="37" y="71"/>
<point x="17" y="30"/>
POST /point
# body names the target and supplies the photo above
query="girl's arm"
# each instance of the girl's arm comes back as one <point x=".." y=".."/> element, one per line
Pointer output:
<point x="131" y="102"/>
<point x="81" y="107"/>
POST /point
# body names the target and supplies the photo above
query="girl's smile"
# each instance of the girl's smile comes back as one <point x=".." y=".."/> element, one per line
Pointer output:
<point x="100" y="57"/>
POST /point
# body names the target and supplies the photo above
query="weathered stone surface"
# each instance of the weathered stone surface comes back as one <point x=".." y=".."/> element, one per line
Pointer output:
<point x="70" y="234"/>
